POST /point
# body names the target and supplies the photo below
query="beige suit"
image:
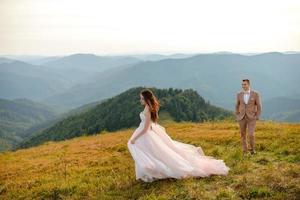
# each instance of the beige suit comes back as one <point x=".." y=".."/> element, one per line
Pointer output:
<point x="246" y="115"/>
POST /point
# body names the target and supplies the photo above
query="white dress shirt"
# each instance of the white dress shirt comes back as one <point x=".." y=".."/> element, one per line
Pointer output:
<point x="246" y="96"/>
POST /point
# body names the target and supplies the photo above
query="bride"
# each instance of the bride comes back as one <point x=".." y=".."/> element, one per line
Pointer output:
<point x="157" y="156"/>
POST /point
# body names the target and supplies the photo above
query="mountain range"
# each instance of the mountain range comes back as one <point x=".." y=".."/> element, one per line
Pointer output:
<point x="217" y="77"/>
<point x="67" y="82"/>
<point x="67" y="85"/>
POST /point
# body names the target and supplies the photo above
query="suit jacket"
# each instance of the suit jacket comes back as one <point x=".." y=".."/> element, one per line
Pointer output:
<point x="252" y="109"/>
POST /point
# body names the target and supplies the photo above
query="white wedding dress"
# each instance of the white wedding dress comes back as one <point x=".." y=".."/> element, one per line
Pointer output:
<point x="157" y="156"/>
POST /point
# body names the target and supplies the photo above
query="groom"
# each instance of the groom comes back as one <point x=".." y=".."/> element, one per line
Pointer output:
<point x="247" y="110"/>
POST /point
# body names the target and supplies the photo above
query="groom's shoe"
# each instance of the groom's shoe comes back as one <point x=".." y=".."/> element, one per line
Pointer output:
<point x="245" y="154"/>
<point x="252" y="152"/>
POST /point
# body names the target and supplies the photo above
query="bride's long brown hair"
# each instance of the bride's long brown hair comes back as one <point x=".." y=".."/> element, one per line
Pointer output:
<point x="152" y="102"/>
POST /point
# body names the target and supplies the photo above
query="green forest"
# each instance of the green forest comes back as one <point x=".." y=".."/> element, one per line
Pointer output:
<point x="122" y="111"/>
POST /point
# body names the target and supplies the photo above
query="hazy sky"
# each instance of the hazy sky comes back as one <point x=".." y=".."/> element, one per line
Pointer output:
<point x="55" y="27"/>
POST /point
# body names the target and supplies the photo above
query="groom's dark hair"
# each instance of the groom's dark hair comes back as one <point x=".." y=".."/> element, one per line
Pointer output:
<point x="247" y="80"/>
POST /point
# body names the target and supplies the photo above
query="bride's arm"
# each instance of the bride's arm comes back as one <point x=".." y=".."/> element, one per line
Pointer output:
<point x="146" y="126"/>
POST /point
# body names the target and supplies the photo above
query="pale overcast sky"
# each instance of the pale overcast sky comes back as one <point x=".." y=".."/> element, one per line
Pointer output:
<point x="55" y="27"/>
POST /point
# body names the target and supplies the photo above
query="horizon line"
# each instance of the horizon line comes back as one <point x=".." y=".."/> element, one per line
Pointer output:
<point x="154" y="53"/>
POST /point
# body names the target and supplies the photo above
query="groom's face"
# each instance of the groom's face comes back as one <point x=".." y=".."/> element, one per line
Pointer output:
<point x="245" y="85"/>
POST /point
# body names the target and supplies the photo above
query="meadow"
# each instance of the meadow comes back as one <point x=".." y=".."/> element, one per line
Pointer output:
<point x="100" y="166"/>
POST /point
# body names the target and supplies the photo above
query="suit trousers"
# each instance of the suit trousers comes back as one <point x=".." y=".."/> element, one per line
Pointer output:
<point x="250" y="123"/>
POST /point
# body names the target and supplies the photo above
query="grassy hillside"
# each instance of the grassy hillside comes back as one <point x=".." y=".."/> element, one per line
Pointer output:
<point x="100" y="166"/>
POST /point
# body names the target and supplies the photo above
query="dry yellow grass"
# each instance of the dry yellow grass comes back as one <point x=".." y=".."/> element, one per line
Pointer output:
<point x="100" y="166"/>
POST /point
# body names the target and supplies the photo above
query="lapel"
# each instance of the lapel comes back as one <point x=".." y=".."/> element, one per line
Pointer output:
<point x="251" y="95"/>
<point x="242" y="97"/>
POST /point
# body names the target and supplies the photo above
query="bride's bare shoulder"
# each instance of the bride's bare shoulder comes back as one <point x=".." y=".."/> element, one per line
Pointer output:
<point x="147" y="109"/>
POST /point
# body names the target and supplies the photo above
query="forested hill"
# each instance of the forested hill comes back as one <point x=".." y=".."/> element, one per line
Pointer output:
<point x="122" y="111"/>
<point x="18" y="115"/>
